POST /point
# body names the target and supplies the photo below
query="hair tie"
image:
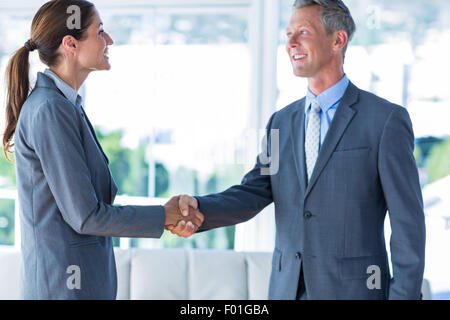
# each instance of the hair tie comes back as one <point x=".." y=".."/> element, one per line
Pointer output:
<point x="30" y="45"/>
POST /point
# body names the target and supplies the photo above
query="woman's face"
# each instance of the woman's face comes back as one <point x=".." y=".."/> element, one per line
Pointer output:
<point x="93" y="50"/>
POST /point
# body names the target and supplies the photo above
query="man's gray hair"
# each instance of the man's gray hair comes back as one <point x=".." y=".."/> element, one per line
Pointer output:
<point x="335" y="16"/>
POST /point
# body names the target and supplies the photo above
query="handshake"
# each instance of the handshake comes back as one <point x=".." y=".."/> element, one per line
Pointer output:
<point x="182" y="216"/>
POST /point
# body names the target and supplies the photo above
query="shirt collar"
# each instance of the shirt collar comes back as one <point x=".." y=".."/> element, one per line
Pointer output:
<point x="67" y="90"/>
<point x="329" y="97"/>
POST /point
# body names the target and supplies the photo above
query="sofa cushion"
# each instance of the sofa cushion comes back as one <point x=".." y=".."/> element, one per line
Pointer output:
<point x="10" y="267"/>
<point x="158" y="274"/>
<point x="259" y="267"/>
<point x="123" y="266"/>
<point x="217" y="275"/>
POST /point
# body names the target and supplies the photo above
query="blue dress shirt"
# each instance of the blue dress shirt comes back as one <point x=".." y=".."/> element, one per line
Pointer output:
<point x="329" y="101"/>
<point x="67" y="90"/>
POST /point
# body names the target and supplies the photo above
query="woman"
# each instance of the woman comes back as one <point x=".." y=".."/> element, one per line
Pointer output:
<point x="65" y="187"/>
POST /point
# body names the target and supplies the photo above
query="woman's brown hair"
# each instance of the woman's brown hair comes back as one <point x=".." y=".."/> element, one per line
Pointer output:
<point x="50" y="25"/>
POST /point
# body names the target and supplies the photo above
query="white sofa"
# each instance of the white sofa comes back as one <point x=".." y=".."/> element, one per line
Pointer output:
<point x="174" y="274"/>
<point x="169" y="274"/>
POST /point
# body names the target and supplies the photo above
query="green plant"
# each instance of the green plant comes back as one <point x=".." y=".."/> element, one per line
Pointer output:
<point x="438" y="162"/>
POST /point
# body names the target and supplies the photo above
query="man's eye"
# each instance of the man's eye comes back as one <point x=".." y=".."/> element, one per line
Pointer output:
<point x="288" y="35"/>
<point x="303" y="32"/>
<point x="101" y="31"/>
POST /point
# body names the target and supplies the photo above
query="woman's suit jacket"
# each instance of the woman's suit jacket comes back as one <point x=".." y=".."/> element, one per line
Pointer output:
<point x="66" y="193"/>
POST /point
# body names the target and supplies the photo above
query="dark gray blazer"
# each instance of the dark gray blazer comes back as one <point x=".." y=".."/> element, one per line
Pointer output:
<point x="66" y="193"/>
<point x="333" y="226"/>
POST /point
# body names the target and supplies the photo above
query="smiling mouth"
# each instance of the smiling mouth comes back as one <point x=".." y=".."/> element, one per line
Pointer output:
<point x="297" y="57"/>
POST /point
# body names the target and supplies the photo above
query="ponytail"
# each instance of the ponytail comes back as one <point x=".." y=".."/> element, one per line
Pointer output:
<point x="18" y="84"/>
<point x="48" y="28"/>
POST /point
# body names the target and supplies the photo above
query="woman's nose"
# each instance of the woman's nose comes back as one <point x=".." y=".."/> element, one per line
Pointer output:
<point x="109" y="40"/>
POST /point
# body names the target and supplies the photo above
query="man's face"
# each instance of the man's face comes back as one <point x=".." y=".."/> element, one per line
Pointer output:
<point x="309" y="47"/>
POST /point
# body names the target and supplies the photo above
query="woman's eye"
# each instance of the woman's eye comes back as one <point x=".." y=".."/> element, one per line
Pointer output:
<point x="101" y="31"/>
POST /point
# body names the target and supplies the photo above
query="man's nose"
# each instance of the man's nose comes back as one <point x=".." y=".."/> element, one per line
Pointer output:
<point x="292" y="41"/>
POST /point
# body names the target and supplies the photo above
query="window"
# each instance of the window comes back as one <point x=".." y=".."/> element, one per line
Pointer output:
<point x="178" y="91"/>
<point x="7" y="221"/>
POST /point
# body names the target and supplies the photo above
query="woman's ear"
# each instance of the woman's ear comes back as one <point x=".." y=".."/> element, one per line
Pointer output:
<point x="69" y="44"/>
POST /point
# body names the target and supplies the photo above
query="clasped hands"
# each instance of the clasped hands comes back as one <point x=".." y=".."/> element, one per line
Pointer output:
<point x="182" y="216"/>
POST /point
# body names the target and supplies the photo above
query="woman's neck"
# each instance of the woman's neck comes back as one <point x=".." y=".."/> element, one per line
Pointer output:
<point x="71" y="75"/>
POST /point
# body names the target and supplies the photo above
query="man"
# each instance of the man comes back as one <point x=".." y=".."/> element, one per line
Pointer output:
<point x="346" y="157"/>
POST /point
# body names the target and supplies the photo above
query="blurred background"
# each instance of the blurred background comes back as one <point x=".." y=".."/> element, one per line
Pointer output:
<point x="193" y="83"/>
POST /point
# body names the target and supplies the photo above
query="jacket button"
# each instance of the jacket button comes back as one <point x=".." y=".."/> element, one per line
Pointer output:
<point x="298" y="255"/>
<point x="307" y="215"/>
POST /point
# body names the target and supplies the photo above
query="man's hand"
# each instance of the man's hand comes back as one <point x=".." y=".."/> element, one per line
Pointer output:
<point x="182" y="219"/>
<point x="186" y="204"/>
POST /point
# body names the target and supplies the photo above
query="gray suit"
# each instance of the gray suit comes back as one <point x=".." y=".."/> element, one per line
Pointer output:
<point x="66" y="193"/>
<point x="333" y="226"/>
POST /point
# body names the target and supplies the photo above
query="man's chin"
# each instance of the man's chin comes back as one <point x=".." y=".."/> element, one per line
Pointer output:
<point x="301" y="74"/>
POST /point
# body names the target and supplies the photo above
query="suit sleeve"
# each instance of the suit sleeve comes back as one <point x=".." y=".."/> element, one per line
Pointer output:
<point x="57" y="141"/>
<point x="241" y="202"/>
<point x="401" y="187"/>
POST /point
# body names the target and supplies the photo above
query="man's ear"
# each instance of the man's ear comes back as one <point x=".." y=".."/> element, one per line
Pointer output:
<point x="340" y="40"/>
<point x="69" y="44"/>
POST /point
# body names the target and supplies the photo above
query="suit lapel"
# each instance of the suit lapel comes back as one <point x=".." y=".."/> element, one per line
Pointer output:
<point x="342" y="118"/>
<point x="298" y="142"/>
<point x="91" y="129"/>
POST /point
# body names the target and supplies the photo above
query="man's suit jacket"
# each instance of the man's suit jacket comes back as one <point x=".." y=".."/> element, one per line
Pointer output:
<point x="333" y="225"/>
<point x="66" y="193"/>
